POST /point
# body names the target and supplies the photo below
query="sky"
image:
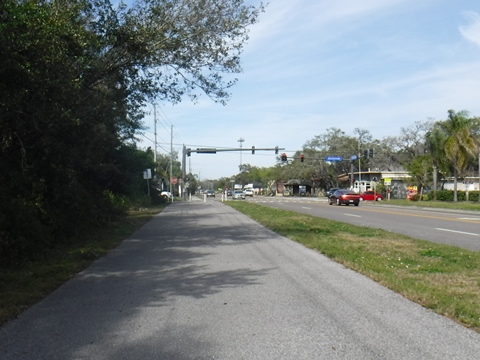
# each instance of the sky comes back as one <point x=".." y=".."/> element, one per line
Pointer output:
<point x="310" y="65"/>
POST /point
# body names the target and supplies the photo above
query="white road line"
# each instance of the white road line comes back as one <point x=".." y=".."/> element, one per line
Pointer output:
<point x="478" y="219"/>
<point x="352" y="215"/>
<point x="304" y="207"/>
<point x="459" y="232"/>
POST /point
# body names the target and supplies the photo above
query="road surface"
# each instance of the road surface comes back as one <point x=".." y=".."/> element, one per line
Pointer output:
<point x="202" y="281"/>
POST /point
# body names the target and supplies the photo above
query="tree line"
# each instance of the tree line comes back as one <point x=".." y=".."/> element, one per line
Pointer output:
<point x="74" y="80"/>
<point x="428" y="150"/>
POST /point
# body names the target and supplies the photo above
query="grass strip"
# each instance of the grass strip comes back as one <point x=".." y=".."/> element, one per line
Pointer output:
<point x="22" y="287"/>
<point x="445" y="279"/>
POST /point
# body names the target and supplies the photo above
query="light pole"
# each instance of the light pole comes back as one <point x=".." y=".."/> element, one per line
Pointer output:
<point x="359" y="165"/>
<point x="241" y="140"/>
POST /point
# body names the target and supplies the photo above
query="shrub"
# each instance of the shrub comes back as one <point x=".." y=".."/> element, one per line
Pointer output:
<point x="415" y="197"/>
<point x="447" y="195"/>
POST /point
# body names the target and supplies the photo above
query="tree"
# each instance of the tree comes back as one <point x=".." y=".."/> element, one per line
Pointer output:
<point x="421" y="170"/>
<point x="175" y="47"/>
<point x="191" y="183"/>
<point x="458" y="143"/>
<point x="73" y="83"/>
<point x="413" y="138"/>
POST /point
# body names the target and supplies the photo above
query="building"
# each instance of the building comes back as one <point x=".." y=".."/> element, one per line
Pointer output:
<point x="396" y="181"/>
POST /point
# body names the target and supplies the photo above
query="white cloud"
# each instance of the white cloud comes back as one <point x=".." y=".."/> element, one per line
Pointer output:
<point x="471" y="32"/>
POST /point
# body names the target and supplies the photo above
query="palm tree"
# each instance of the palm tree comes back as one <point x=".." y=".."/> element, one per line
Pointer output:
<point x="458" y="142"/>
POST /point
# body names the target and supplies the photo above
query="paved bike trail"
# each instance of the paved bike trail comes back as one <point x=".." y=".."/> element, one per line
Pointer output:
<point x="202" y="281"/>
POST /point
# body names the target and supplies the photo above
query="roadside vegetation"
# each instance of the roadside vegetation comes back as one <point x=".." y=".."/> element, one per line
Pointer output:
<point x="21" y="287"/>
<point x="76" y="82"/>
<point x="445" y="279"/>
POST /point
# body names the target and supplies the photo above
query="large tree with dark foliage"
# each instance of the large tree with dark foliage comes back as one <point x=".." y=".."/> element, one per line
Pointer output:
<point x="74" y="77"/>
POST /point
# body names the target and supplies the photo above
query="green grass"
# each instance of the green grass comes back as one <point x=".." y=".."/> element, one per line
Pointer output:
<point x="22" y="287"/>
<point x="443" y="278"/>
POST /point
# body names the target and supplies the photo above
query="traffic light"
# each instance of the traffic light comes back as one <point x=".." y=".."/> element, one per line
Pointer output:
<point x="253" y="150"/>
<point x="276" y="150"/>
<point x="370" y="153"/>
<point x="284" y="157"/>
<point x="189" y="152"/>
<point x="365" y="154"/>
<point x="302" y="157"/>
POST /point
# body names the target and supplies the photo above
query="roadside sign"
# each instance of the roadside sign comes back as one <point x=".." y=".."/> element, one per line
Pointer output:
<point x="387" y="181"/>
<point x="333" y="158"/>
<point x="147" y="174"/>
<point x="174" y="180"/>
<point x="354" y="157"/>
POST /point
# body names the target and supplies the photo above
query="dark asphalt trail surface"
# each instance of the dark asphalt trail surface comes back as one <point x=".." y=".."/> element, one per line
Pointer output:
<point x="202" y="281"/>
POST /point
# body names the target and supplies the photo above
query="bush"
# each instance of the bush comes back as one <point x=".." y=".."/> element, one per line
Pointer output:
<point x="444" y="195"/>
<point x="415" y="197"/>
<point x="473" y="196"/>
<point x="447" y="195"/>
<point x="118" y="204"/>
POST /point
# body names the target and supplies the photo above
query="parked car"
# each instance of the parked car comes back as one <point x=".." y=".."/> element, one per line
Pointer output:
<point x="229" y="192"/>
<point x="238" y="194"/>
<point x="248" y="192"/>
<point x="371" y="196"/>
<point x="210" y="193"/>
<point x="328" y="193"/>
<point x="344" y="196"/>
<point x="166" y="194"/>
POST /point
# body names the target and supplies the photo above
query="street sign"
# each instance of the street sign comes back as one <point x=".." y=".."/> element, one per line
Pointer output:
<point x="333" y="158"/>
<point x="174" y="180"/>
<point x="206" y="151"/>
<point x="147" y="174"/>
<point x="354" y="157"/>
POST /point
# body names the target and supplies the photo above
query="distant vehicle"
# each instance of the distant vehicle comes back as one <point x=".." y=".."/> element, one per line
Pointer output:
<point x="302" y="190"/>
<point x="210" y="193"/>
<point x="238" y="194"/>
<point x="229" y="192"/>
<point x="371" y="196"/>
<point x="344" y="196"/>
<point x="166" y="194"/>
<point x="330" y="192"/>
<point x="248" y="192"/>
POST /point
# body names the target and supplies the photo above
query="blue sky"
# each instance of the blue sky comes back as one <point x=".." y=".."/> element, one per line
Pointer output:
<point x="314" y="64"/>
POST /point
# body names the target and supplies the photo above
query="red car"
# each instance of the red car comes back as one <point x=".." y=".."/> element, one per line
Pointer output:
<point x="371" y="196"/>
<point x="344" y="196"/>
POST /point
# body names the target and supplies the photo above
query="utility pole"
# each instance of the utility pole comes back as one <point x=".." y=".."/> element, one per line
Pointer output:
<point x="155" y="132"/>
<point x="241" y="140"/>
<point x="359" y="166"/>
<point x="171" y="158"/>
<point x="184" y="172"/>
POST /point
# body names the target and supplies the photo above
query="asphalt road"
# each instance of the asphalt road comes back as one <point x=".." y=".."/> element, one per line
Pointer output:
<point x="202" y="281"/>
<point x="458" y="228"/>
